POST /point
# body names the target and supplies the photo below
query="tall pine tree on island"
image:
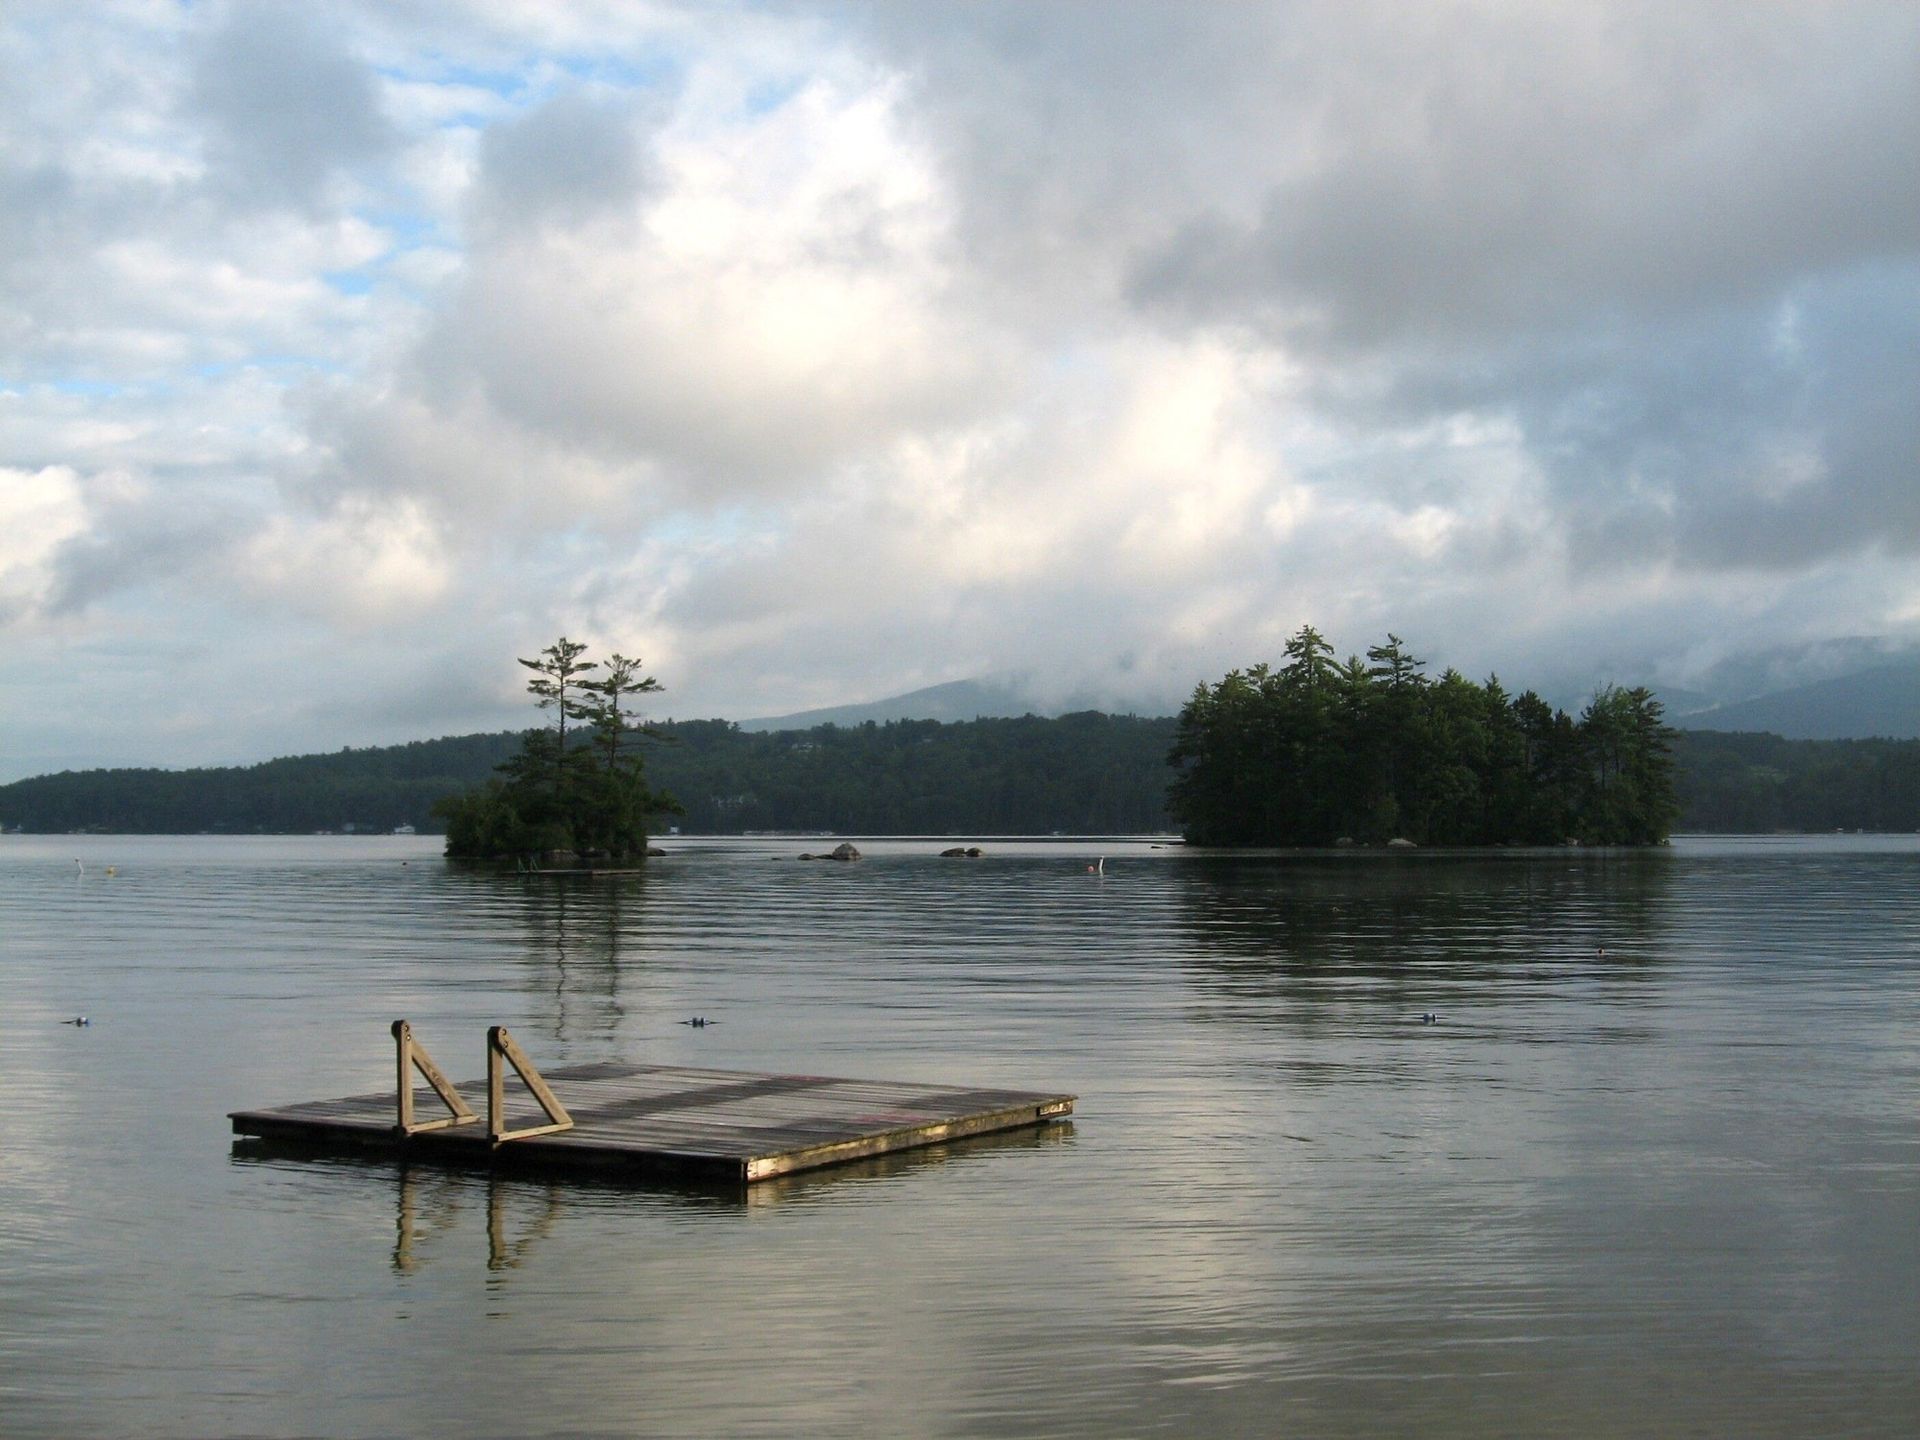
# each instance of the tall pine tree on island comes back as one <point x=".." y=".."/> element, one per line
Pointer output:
<point x="581" y="795"/>
<point x="1319" y="753"/>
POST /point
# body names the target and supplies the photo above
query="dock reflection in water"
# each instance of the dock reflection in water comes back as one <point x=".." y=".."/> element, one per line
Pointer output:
<point x="442" y="1198"/>
<point x="431" y="1202"/>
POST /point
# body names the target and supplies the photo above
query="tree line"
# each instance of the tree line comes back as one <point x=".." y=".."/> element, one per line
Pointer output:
<point x="1320" y="752"/>
<point x="1741" y="783"/>
<point x="1086" y="774"/>
<point x="374" y="788"/>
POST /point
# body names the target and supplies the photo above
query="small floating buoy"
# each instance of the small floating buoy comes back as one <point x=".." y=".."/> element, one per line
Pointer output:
<point x="699" y="1022"/>
<point x="77" y="1020"/>
<point x="1427" y="1017"/>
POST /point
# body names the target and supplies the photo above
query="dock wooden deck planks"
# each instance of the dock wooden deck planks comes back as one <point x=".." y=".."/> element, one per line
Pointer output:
<point x="724" y="1125"/>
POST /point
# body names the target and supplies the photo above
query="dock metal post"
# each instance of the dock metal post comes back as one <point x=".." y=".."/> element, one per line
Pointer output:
<point x="411" y="1055"/>
<point x="500" y="1047"/>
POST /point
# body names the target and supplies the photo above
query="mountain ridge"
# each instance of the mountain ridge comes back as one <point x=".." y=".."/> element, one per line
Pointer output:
<point x="1871" y="702"/>
<point x="986" y="698"/>
<point x="1882" y="702"/>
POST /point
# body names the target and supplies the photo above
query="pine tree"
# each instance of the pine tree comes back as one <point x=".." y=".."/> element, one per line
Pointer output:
<point x="557" y="796"/>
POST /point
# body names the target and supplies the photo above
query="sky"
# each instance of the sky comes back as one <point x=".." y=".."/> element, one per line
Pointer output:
<point x="817" y="353"/>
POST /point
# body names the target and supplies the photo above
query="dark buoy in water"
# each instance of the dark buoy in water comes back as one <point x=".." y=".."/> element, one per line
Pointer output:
<point x="699" y="1022"/>
<point x="1427" y="1017"/>
<point x="77" y="1020"/>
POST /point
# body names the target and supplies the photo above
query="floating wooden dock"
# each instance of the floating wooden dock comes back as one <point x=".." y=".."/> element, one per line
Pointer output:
<point x="665" y="1120"/>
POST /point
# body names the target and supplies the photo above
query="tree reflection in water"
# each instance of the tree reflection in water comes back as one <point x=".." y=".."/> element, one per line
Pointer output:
<point x="1409" y="934"/>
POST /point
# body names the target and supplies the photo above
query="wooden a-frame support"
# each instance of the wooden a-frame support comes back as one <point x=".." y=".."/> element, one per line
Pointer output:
<point x="500" y="1047"/>
<point x="412" y="1055"/>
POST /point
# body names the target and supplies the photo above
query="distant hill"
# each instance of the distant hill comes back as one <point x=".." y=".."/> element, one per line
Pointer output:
<point x="367" y="790"/>
<point x="1877" y="699"/>
<point x="1086" y="774"/>
<point x="997" y="697"/>
<point x="1844" y="687"/>
<point x="956" y="700"/>
<point x="1881" y="702"/>
<point x="1761" y="784"/>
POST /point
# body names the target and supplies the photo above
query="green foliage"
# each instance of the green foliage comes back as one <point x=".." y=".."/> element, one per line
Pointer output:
<point x="1086" y="773"/>
<point x="486" y="821"/>
<point x="585" y="795"/>
<point x="1762" y="783"/>
<point x="1318" y="752"/>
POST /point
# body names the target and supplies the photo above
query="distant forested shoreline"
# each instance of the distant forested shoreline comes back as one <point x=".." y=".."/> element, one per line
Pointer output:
<point x="1087" y="773"/>
<point x="1078" y="774"/>
<point x="1743" y="783"/>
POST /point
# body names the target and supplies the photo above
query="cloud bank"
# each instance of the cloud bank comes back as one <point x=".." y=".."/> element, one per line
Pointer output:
<point x="824" y="352"/>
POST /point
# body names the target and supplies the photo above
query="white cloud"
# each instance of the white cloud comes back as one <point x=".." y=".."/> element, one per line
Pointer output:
<point x="40" y="511"/>
<point x="362" y="564"/>
<point x="773" y="299"/>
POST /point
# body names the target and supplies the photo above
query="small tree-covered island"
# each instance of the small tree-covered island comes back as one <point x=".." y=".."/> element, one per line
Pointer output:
<point x="1371" y="752"/>
<point x="569" y="794"/>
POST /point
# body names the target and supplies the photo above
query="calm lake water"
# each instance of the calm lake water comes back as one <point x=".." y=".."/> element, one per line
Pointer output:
<point x="1654" y="1171"/>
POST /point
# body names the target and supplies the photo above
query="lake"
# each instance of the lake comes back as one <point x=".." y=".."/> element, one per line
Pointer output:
<point x="1653" y="1170"/>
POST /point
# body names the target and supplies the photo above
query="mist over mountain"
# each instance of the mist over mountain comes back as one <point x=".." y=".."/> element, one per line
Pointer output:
<point x="993" y="697"/>
<point x="1846" y="687"/>
<point x="1882" y="702"/>
<point x="1750" y="674"/>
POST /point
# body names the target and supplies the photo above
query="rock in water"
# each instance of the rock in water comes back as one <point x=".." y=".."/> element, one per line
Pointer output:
<point x="839" y="852"/>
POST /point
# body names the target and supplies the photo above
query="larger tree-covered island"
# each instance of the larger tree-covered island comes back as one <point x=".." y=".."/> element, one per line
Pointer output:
<point x="565" y="795"/>
<point x="1321" y="753"/>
